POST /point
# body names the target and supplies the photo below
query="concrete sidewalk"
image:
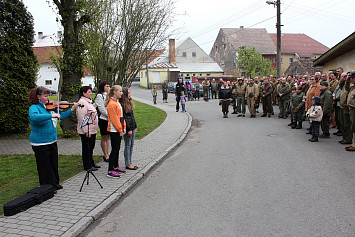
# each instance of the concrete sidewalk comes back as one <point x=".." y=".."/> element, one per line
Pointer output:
<point x="71" y="211"/>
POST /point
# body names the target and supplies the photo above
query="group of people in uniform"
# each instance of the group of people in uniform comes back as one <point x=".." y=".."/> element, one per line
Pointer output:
<point x="295" y="96"/>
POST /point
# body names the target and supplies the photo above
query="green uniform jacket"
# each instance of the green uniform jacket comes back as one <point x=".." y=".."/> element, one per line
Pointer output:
<point x="326" y="101"/>
<point x="164" y="87"/>
<point x="241" y="89"/>
<point x="285" y="90"/>
<point x="214" y="86"/>
<point x="297" y="100"/>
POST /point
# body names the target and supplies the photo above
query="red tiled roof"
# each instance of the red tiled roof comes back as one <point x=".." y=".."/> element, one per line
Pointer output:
<point x="301" y="44"/>
<point x="44" y="53"/>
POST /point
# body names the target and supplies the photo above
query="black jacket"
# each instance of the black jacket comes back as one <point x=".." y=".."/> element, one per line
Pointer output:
<point x="130" y="121"/>
<point x="225" y="93"/>
<point x="178" y="88"/>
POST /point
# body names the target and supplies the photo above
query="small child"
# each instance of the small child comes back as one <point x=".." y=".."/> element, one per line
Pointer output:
<point x="315" y="114"/>
<point x="155" y="94"/>
<point x="183" y="101"/>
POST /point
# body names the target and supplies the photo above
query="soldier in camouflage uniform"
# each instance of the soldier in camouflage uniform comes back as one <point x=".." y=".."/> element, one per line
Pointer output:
<point x="164" y="88"/>
<point x="326" y="100"/>
<point x="241" y="89"/>
<point x="251" y="95"/>
<point x="297" y="108"/>
<point x="266" y="93"/>
<point x="283" y="92"/>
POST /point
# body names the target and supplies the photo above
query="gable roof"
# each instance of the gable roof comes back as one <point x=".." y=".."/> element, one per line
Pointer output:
<point x="199" y="67"/>
<point x="343" y="47"/>
<point x="301" y="44"/>
<point x="188" y="46"/>
<point x="44" y="53"/>
<point x="257" y="38"/>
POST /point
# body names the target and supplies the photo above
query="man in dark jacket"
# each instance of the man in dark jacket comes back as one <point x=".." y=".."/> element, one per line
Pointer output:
<point x="326" y="100"/>
<point x="178" y="88"/>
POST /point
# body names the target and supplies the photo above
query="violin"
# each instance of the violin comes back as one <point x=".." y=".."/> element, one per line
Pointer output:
<point x="53" y="105"/>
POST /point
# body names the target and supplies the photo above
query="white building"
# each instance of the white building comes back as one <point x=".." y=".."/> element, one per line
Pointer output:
<point x="48" y="76"/>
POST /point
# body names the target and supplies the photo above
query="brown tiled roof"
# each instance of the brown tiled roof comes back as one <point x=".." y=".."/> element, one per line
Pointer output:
<point x="155" y="54"/>
<point x="301" y="44"/>
<point x="44" y="53"/>
<point x="257" y="38"/>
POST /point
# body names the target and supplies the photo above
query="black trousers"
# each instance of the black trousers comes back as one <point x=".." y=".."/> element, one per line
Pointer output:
<point x="87" y="149"/>
<point x="115" y="150"/>
<point x="315" y="128"/>
<point x="214" y="94"/>
<point x="47" y="163"/>
<point x="267" y="104"/>
<point x="325" y="124"/>
<point x="178" y="102"/>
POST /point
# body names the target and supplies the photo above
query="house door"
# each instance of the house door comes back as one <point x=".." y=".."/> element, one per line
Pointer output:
<point x="156" y="77"/>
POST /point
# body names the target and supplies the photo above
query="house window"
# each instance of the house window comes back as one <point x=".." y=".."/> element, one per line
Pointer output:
<point x="193" y="74"/>
<point x="224" y="46"/>
<point x="200" y="74"/>
<point x="216" y="47"/>
<point x="184" y="54"/>
<point x="208" y="74"/>
<point x="48" y="82"/>
<point x="282" y="60"/>
<point x="193" y="54"/>
<point x="187" y="75"/>
<point x="290" y="60"/>
<point x="274" y="60"/>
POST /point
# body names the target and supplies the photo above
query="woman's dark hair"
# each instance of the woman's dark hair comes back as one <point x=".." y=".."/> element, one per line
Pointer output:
<point x="102" y="86"/>
<point x="32" y="96"/>
<point x="127" y="102"/>
<point x="84" y="89"/>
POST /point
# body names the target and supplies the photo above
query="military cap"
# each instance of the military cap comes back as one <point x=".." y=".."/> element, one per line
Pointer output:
<point x="240" y="79"/>
<point x="352" y="73"/>
<point x="324" y="83"/>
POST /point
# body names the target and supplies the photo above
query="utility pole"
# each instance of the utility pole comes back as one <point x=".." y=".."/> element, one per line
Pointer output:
<point x="278" y="27"/>
<point x="277" y="3"/>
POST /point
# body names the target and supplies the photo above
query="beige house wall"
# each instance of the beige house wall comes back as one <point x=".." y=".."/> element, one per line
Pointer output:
<point x="164" y="75"/>
<point x="346" y="61"/>
<point x="285" y="61"/>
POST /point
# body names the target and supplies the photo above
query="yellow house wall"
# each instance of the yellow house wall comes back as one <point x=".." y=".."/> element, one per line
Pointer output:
<point x="143" y="79"/>
<point x="286" y="61"/>
<point x="346" y="61"/>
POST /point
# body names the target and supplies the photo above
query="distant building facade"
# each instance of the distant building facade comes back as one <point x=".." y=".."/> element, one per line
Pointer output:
<point x="229" y="40"/>
<point x="341" y="55"/>
<point x="296" y="47"/>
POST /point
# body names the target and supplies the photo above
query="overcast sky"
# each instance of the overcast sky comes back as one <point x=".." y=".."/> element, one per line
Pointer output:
<point x="327" y="21"/>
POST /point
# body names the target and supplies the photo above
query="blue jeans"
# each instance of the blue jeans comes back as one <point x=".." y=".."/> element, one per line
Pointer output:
<point x="128" y="147"/>
<point x="183" y="107"/>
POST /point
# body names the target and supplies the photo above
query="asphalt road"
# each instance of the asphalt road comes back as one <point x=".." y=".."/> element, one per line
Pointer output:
<point x="240" y="177"/>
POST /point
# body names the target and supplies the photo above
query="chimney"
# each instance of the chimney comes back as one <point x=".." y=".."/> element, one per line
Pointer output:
<point x="40" y="35"/>
<point x="172" y="51"/>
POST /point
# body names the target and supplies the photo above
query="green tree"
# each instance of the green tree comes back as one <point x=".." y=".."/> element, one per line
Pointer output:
<point x="252" y="63"/>
<point x="125" y="35"/>
<point x="18" y="65"/>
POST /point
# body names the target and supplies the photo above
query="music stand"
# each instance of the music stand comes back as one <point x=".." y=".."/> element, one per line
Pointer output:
<point x="89" y="171"/>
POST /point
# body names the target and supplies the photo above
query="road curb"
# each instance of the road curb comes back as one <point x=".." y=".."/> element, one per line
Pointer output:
<point x="95" y="214"/>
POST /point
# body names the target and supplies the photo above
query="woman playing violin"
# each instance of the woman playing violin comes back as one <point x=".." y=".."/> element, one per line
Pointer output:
<point x="87" y="127"/>
<point x="43" y="135"/>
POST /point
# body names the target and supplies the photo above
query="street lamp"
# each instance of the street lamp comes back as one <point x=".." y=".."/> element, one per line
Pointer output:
<point x="277" y="3"/>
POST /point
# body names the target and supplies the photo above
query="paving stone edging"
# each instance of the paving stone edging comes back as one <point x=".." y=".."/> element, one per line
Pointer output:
<point x="94" y="214"/>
